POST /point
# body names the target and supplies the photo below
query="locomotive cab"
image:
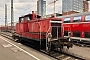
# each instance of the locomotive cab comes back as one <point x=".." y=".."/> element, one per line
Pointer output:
<point x="56" y="29"/>
<point x="55" y="38"/>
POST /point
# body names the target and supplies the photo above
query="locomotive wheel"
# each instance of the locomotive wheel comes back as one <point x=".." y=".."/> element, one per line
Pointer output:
<point x="49" y="47"/>
<point x="13" y="37"/>
<point x="19" y="39"/>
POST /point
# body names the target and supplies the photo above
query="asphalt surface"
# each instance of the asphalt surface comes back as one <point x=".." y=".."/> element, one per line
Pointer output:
<point x="10" y="50"/>
<point x="83" y="52"/>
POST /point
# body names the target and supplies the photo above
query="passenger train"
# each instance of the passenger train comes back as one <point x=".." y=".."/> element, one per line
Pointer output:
<point x="78" y="26"/>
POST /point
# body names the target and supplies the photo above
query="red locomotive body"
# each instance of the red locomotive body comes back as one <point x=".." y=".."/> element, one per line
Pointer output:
<point x="44" y="32"/>
<point x="78" y="25"/>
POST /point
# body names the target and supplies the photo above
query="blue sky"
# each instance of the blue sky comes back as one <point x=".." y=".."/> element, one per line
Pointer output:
<point x="22" y="7"/>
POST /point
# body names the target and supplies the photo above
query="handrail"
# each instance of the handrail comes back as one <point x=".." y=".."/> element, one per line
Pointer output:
<point x="48" y="30"/>
<point x="46" y="38"/>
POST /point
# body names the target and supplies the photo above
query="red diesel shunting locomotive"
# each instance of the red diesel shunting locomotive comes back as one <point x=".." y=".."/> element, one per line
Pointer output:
<point x="41" y="32"/>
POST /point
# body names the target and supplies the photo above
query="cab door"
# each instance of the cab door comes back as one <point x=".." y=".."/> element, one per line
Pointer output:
<point x="56" y="29"/>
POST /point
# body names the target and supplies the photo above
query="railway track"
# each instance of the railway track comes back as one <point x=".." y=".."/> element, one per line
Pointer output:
<point x="58" y="55"/>
<point x="63" y="55"/>
<point x="81" y="43"/>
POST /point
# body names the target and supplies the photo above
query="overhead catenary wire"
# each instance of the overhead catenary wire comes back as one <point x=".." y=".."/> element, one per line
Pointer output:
<point x="54" y="4"/>
<point x="2" y="19"/>
<point x="18" y="13"/>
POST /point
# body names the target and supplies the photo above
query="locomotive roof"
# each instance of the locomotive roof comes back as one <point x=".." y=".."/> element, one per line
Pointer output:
<point x="77" y="14"/>
<point x="29" y="15"/>
<point x="25" y="15"/>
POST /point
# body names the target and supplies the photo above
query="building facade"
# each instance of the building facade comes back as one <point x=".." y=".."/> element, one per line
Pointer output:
<point x="74" y="6"/>
<point x="41" y="8"/>
<point x="85" y="6"/>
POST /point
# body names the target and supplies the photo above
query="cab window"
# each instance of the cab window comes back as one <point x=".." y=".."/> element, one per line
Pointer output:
<point x="27" y="18"/>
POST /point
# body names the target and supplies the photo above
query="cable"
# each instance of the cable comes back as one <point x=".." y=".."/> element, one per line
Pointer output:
<point x="2" y="20"/>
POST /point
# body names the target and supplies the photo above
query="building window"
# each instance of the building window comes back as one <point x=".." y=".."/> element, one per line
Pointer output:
<point x="87" y="18"/>
<point x="77" y="19"/>
<point x="66" y="20"/>
<point x="87" y="34"/>
<point x="65" y="33"/>
<point x="76" y="34"/>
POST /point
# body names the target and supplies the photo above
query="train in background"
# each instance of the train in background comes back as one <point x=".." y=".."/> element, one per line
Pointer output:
<point x="78" y="26"/>
<point x="42" y="33"/>
<point x="6" y="29"/>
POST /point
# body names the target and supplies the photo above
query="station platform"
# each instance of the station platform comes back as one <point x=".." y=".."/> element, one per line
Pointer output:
<point x="80" y="51"/>
<point x="10" y="50"/>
